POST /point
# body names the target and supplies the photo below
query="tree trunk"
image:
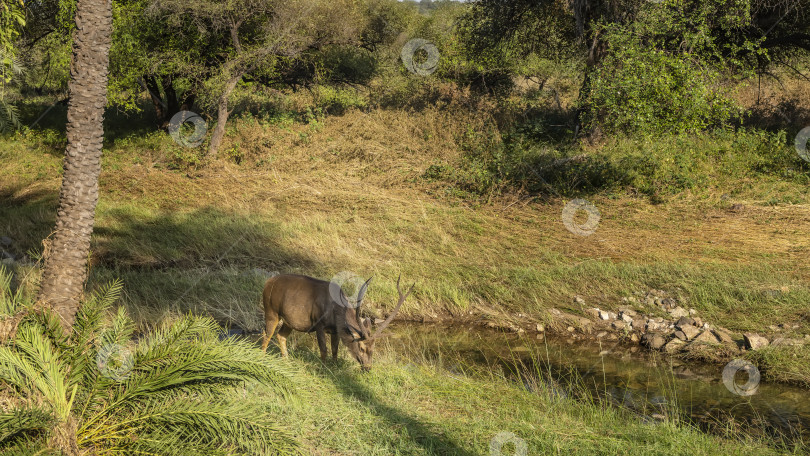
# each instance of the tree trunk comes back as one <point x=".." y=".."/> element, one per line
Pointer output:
<point x="66" y="260"/>
<point x="222" y="115"/>
<point x="171" y="96"/>
<point x="161" y="109"/>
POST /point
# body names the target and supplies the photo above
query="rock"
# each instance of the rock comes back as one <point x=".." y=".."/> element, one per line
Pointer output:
<point x="685" y="321"/>
<point x="6" y="241"/>
<point x="690" y="331"/>
<point x="579" y="300"/>
<point x="680" y="335"/>
<point x="785" y="341"/>
<point x="724" y="336"/>
<point x="539" y="327"/>
<point x="674" y="346"/>
<point x="638" y="324"/>
<point x="618" y="324"/>
<point x="604" y="315"/>
<point x="634" y="337"/>
<point x="653" y="326"/>
<point x="692" y="312"/>
<point x="678" y="312"/>
<point x="570" y="329"/>
<point x="555" y="311"/>
<point x="754" y="341"/>
<point x="706" y="337"/>
<point x="627" y="318"/>
<point x="539" y="336"/>
<point x="601" y="334"/>
<point x="653" y="340"/>
<point x="593" y="312"/>
<point x="626" y="311"/>
<point x="698" y="321"/>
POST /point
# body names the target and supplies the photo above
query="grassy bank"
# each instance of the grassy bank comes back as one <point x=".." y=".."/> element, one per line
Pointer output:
<point x="318" y="195"/>
<point x="420" y="409"/>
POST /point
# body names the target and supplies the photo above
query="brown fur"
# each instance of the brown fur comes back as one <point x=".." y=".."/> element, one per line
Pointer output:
<point x="304" y="304"/>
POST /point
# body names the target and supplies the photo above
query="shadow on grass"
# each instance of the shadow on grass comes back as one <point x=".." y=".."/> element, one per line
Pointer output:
<point x="26" y="216"/>
<point x="345" y="379"/>
<point x="206" y="260"/>
<point x="49" y="114"/>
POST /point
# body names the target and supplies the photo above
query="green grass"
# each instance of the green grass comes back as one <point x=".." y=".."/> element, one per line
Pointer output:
<point x="408" y="409"/>
<point x="186" y="234"/>
<point x="188" y="238"/>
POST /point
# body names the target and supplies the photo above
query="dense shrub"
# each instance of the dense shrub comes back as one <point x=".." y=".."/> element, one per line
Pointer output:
<point x="639" y="88"/>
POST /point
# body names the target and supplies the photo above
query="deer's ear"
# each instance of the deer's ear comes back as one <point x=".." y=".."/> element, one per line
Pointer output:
<point x="367" y="324"/>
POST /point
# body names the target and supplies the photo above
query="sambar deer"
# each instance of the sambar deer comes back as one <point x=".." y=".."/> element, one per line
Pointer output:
<point x="306" y="304"/>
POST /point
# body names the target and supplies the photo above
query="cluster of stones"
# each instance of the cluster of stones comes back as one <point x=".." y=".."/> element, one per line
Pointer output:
<point x="638" y="320"/>
<point x="681" y="329"/>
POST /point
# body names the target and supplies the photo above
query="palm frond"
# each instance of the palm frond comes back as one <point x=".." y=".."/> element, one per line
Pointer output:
<point x="43" y="368"/>
<point x="9" y="117"/>
<point x="178" y="377"/>
<point x="83" y="350"/>
<point x="21" y="421"/>
<point x="10" y="303"/>
<point x="227" y="425"/>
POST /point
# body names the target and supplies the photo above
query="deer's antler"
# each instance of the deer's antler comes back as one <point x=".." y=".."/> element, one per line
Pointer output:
<point x="396" y="309"/>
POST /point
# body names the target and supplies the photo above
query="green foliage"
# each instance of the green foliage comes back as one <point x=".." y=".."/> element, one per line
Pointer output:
<point x="338" y="100"/>
<point x="641" y="88"/>
<point x="12" y="19"/>
<point x="97" y="389"/>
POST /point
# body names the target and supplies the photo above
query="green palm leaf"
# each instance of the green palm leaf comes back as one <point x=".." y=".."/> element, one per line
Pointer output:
<point x="180" y="377"/>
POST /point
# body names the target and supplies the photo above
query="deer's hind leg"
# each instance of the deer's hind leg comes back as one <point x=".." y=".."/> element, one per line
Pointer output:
<point x="270" y="324"/>
<point x="282" y="335"/>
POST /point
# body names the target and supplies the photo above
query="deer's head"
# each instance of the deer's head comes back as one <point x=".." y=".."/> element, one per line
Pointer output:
<point x="362" y="348"/>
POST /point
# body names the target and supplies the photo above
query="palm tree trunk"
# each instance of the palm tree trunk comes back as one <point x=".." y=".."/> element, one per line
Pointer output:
<point x="66" y="260"/>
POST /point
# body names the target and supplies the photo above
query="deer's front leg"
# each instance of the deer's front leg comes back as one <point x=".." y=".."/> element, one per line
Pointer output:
<point x="321" y="335"/>
<point x="335" y="344"/>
